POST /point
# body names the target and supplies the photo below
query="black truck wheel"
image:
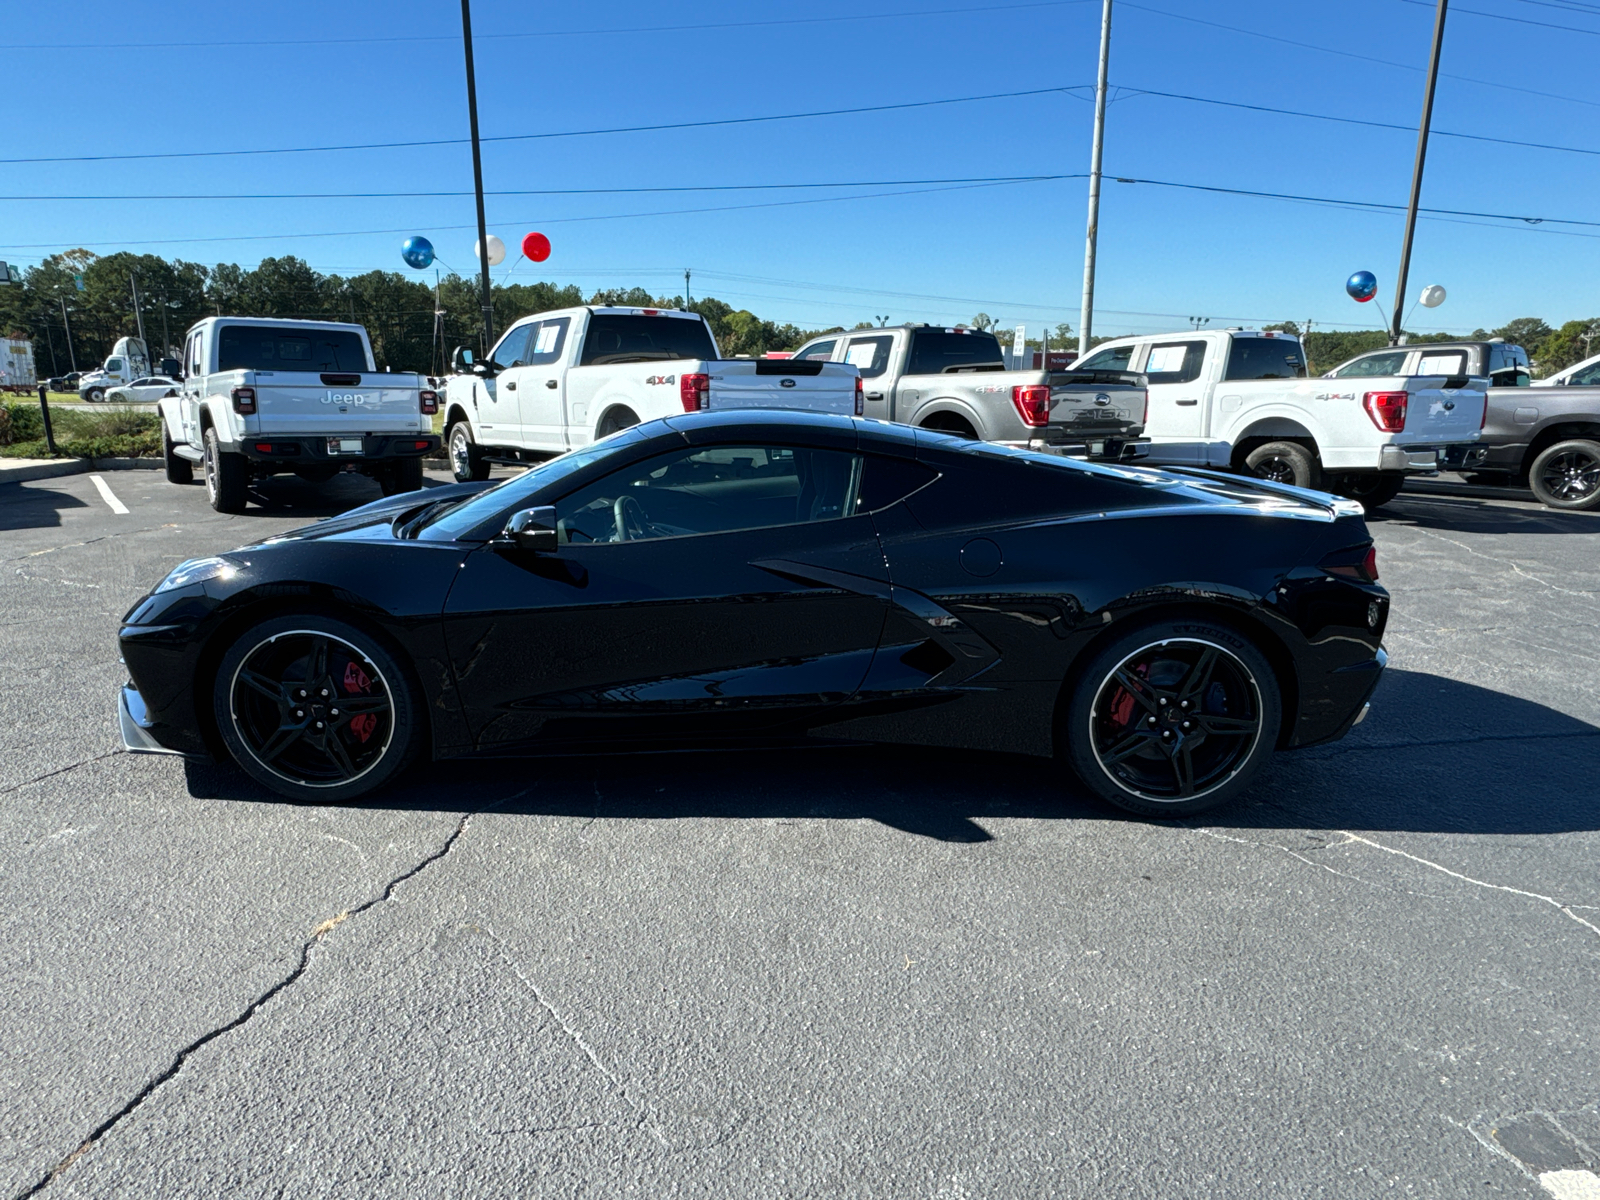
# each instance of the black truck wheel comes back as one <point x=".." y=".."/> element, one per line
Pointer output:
<point x="1567" y="475"/>
<point x="179" y="470"/>
<point x="227" y="476"/>
<point x="1284" y="462"/>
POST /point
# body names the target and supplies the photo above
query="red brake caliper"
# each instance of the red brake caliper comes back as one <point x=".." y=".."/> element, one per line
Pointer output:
<point x="363" y="725"/>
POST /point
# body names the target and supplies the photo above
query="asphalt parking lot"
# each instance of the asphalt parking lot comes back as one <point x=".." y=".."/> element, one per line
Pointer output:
<point x="855" y="973"/>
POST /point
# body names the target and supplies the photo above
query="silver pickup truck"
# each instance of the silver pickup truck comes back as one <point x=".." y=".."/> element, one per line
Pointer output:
<point x="955" y="380"/>
<point x="1545" y="437"/>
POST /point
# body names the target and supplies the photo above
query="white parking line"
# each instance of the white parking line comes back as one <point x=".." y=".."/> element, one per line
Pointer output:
<point x="106" y="494"/>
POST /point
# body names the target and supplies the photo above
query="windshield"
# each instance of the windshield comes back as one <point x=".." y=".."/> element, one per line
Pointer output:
<point x="277" y="348"/>
<point x="452" y="523"/>
<point x="624" y="337"/>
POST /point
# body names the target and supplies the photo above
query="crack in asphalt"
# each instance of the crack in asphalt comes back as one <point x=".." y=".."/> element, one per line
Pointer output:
<point x="255" y="1006"/>
<point x="17" y="787"/>
<point x="91" y="541"/>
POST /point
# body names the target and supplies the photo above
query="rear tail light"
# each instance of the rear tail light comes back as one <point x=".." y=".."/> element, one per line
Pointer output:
<point x="1387" y="410"/>
<point x="430" y="402"/>
<point x="1033" y="403"/>
<point x="1144" y="415"/>
<point x="1353" y="562"/>
<point x="244" y="400"/>
<point x="694" y="390"/>
<point x="861" y="398"/>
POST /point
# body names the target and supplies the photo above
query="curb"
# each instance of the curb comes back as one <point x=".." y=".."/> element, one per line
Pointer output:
<point x="73" y="466"/>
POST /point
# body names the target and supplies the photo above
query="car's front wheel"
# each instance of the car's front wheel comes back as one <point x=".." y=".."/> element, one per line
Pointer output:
<point x="1567" y="475"/>
<point x="1173" y="718"/>
<point x="95" y="395"/>
<point x="466" y="459"/>
<point x="316" y="709"/>
<point x="179" y="470"/>
<point x="1284" y="462"/>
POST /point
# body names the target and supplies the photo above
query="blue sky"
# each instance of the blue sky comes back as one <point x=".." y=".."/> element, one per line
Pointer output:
<point x="300" y="74"/>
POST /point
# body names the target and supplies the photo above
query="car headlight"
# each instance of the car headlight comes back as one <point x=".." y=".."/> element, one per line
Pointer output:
<point x="197" y="570"/>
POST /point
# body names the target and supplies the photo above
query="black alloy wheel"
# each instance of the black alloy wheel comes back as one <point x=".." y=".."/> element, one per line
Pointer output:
<point x="1567" y="475"/>
<point x="1179" y="720"/>
<point x="315" y="709"/>
<point x="1283" y="462"/>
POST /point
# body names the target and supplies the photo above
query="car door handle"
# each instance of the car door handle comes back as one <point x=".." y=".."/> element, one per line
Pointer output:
<point x="511" y="385"/>
<point x="1186" y="403"/>
<point x="550" y="383"/>
<point x="874" y="395"/>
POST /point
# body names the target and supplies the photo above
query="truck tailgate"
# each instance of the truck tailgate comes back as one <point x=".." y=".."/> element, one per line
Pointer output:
<point x="784" y="383"/>
<point x="303" y="403"/>
<point x="1086" y="403"/>
<point x="1442" y="410"/>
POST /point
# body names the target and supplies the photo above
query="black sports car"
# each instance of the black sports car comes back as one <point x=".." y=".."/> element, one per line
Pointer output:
<point x="728" y="578"/>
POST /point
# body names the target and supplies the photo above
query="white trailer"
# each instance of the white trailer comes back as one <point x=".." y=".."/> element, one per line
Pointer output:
<point x="16" y="365"/>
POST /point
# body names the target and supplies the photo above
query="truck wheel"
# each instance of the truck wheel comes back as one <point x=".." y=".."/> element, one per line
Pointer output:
<point x="1374" y="491"/>
<point x="179" y="470"/>
<point x="615" y="421"/>
<point x="1567" y="475"/>
<point x="1172" y="718"/>
<point x="466" y="459"/>
<point x="226" y="478"/>
<point x="95" y="395"/>
<point x="401" y="475"/>
<point x="1283" y="462"/>
<point x="951" y="424"/>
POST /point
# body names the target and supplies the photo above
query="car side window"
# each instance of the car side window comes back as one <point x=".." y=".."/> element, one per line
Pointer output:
<point x="886" y="480"/>
<point x="546" y="341"/>
<point x="1112" y="358"/>
<point x="822" y="350"/>
<point x="1175" y="362"/>
<point x="1370" y="366"/>
<point x="715" y="489"/>
<point x="1588" y="377"/>
<point x="1264" y="358"/>
<point x="869" y="355"/>
<point x="513" y="348"/>
<point x="1445" y="362"/>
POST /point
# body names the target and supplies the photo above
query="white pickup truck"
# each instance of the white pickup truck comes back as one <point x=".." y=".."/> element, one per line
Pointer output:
<point x="559" y="380"/>
<point x="262" y="396"/>
<point x="1240" y="400"/>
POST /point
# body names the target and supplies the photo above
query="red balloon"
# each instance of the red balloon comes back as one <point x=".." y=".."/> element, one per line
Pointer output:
<point x="536" y="247"/>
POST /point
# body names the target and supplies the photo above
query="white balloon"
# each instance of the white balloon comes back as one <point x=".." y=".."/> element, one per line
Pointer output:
<point x="497" y="251"/>
<point x="1432" y="296"/>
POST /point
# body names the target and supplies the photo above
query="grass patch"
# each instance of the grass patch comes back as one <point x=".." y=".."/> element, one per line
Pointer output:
<point x="80" y="433"/>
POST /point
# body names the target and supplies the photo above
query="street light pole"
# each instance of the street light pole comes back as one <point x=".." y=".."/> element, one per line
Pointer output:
<point x="477" y="179"/>
<point x="1416" y="175"/>
<point x="1086" y="314"/>
<point x="71" y="355"/>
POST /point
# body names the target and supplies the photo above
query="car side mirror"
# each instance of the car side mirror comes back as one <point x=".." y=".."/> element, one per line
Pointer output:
<point x="461" y="361"/>
<point x="533" y="529"/>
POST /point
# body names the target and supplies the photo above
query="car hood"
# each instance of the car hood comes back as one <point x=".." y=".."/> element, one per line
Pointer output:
<point x="380" y="512"/>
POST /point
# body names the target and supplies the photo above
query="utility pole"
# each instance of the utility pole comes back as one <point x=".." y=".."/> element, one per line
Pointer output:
<point x="1416" y="174"/>
<point x="71" y="356"/>
<point x="477" y="177"/>
<point x="166" y="340"/>
<point x="1086" y="316"/>
<point x="688" y="301"/>
<point x="137" y="315"/>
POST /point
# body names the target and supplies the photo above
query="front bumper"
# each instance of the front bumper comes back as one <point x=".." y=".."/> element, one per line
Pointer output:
<point x="321" y="449"/>
<point x="134" y="723"/>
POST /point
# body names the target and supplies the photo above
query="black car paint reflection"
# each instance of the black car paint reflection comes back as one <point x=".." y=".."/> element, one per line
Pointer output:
<point x="949" y="606"/>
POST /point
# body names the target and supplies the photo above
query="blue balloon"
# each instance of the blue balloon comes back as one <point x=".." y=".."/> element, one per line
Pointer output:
<point x="1362" y="286"/>
<point x="417" y="251"/>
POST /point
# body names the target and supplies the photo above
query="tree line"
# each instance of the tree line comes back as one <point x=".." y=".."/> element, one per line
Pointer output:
<point x="399" y="312"/>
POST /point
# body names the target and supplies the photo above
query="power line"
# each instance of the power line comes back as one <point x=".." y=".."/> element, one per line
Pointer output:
<point x="554" y="33"/>
<point x="1516" y="20"/>
<point x="1291" y="112"/>
<point x="528" y="137"/>
<point x="715" y="187"/>
<point x="1256" y="33"/>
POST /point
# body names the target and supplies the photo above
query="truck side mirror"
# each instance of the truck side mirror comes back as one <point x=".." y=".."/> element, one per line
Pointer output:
<point x="533" y="529"/>
<point x="461" y="361"/>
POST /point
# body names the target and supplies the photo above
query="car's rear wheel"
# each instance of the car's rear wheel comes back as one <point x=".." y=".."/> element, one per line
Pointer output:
<point x="316" y="709"/>
<point x="1284" y="462"/>
<point x="616" y="421"/>
<point x="227" y="475"/>
<point x="179" y="470"/>
<point x="466" y="459"/>
<point x="401" y="475"/>
<point x="1173" y="718"/>
<point x="1373" y="490"/>
<point x="1567" y="475"/>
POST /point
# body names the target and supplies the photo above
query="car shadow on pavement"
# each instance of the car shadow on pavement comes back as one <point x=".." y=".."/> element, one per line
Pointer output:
<point x="1462" y="515"/>
<point x="291" y="496"/>
<point x="33" y="507"/>
<point x="1435" y="756"/>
